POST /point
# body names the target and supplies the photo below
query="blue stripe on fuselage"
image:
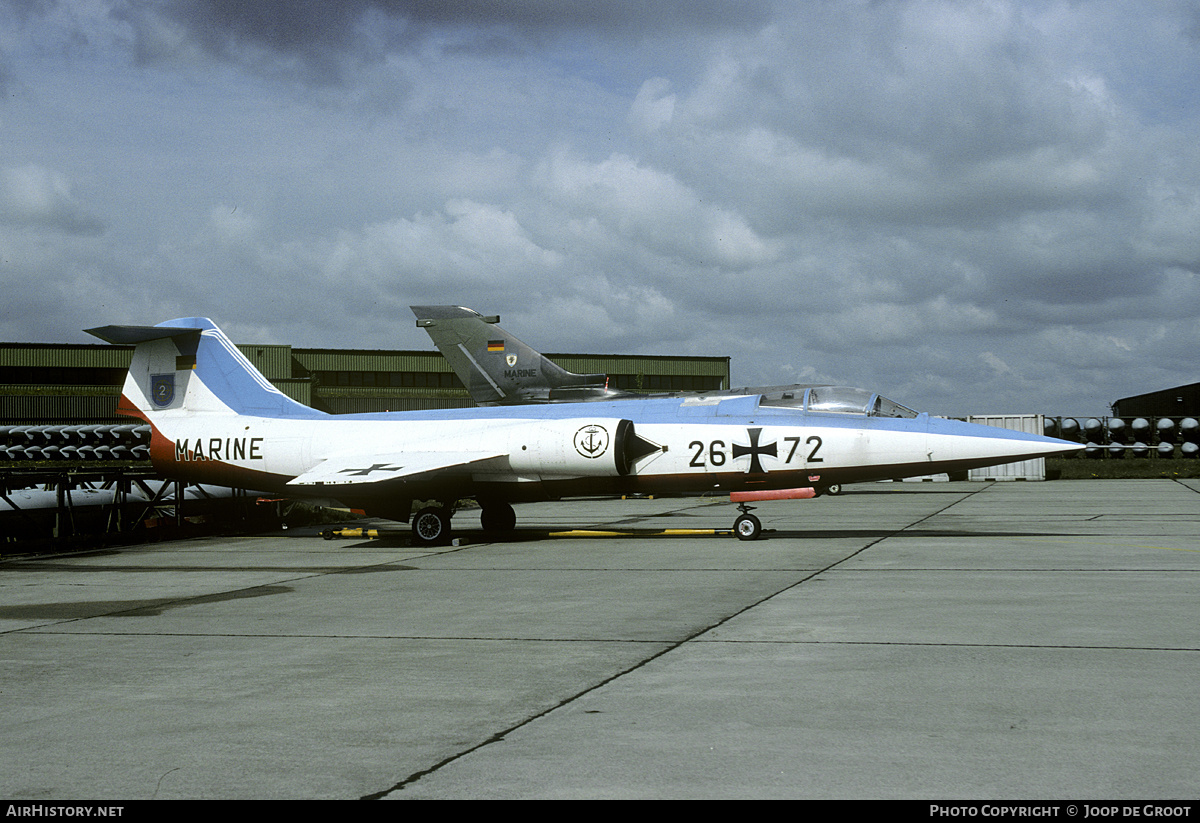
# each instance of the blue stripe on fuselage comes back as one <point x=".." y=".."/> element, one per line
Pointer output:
<point x="961" y="428"/>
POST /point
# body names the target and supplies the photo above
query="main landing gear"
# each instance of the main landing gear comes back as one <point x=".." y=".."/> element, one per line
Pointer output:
<point x="747" y="526"/>
<point x="431" y="525"/>
<point x="497" y="517"/>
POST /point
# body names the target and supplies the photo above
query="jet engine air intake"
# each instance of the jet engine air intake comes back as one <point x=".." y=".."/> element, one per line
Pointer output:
<point x="631" y="448"/>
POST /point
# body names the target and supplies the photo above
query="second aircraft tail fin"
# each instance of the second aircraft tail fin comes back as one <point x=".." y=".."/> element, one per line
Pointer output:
<point x="496" y="367"/>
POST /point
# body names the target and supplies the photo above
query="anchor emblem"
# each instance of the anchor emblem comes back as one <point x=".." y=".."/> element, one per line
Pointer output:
<point x="591" y="441"/>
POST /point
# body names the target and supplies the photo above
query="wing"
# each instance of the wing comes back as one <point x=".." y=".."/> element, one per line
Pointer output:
<point x="358" y="469"/>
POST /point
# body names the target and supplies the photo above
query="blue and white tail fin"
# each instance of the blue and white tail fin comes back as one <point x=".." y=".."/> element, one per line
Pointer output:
<point x="189" y="366"/>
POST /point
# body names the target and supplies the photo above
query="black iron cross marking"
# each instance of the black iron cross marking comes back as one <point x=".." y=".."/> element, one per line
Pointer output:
<point x="754" y="450"/>
<point x="369" y="469"/>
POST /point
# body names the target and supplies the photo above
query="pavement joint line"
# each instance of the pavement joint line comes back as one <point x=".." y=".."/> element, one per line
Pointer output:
<point x="1110" y="547"/>
<point x="944" y="645"/>
<point x="499" y="736"/>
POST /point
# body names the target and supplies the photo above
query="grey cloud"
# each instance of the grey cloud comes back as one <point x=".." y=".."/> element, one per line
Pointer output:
<point x="290" y="24"/>
<point x="955" y="202"/>
<point x="33" y="196"/>
<point x="327" y="38"/>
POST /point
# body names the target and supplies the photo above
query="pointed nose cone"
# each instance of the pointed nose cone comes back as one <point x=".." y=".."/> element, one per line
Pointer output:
<point x="958" y="445"/>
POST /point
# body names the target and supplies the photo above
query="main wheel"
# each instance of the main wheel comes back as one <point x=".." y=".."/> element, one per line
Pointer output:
<point x="834" y="489"/>
<point x="431" y="526"/>
<point x="747" y="527"/>
<point x="498" y="517"/>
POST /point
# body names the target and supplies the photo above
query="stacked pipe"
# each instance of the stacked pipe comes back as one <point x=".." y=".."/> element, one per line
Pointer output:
<point x="1115" y="437"/>
<point x="75" y="443"/>
<point x="1189" y="432"/>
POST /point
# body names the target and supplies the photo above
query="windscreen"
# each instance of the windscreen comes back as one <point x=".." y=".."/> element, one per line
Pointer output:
<point x="888" y="408"/>
<point x="847" y="400"/>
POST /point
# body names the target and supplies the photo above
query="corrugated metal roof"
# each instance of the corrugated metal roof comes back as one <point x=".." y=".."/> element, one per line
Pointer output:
<point x="298" y="390"/>
<point x="44" y="355"/>
<point x="59" y="408"/>
<point x="387" y="392"/>
<point x="274" y="361"/>
<point x="366" y="405"/>
<point x="1178" y="401"/>
<point x="643" y="364"/>
<point x="362" y="360"/>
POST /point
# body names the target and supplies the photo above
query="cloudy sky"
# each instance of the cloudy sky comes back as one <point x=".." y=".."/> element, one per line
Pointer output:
<point x="987" y="206"/>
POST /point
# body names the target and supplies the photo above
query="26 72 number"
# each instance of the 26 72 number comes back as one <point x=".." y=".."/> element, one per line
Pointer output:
<point x="713" y="452"/>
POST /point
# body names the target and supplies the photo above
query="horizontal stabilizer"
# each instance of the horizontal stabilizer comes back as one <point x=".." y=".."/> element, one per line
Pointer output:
<point x="130" y="335"/>
<point x="430" y="315"/>
<point x="357" y="469"/>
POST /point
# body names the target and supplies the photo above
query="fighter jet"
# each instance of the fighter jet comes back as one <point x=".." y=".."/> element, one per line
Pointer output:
<point x="215" y="419"/>
<point x="499" y="369"/>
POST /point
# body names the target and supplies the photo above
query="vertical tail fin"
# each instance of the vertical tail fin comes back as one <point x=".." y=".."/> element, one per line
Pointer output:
<point x="190" y="366"/>
<point x="495" y="366"/>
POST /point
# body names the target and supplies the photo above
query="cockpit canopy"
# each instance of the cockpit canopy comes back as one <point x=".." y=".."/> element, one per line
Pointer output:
<point x="843" y="400"/>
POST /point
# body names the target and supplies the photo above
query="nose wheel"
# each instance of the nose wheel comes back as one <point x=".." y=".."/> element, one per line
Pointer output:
<point x="747" y="526"/>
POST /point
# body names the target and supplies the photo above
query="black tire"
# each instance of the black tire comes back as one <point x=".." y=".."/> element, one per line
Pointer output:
<point x="431" y="527"/>
<point x="498" y="517"/>
<point x="747" y="527"/>
<point x="835" y="489"/>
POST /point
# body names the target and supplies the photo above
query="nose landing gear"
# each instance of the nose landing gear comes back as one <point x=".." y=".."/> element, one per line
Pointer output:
<point x="747" y="526"/>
